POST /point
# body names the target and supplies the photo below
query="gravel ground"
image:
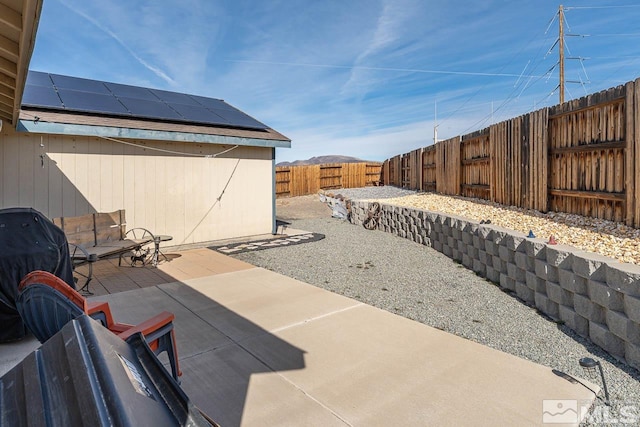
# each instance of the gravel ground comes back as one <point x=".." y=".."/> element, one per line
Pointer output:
<point x="422" y="284"/>
<point x="608" y="238"/>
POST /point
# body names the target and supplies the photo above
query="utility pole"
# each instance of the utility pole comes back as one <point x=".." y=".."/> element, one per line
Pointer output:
<point x="561" y="52"/>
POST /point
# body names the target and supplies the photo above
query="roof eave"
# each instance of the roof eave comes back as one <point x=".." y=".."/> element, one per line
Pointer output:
<point x="35" y="126"/>
<point x="31" y="11"/>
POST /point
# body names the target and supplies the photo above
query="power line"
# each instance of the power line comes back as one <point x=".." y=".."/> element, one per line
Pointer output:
<point x="603" y="7"/>
<point x="520" y="77"/>
<point x="511" y="96"/>
<point x="614" y="35"/>
<point x="524" y="86"/>
<point x="615" y="57"/>
<point x="359" y="67"/>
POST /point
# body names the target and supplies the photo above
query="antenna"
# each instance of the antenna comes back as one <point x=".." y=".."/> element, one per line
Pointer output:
<point x="435" y="122"/>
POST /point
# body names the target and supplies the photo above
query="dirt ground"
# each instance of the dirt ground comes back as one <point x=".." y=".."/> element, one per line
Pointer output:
<point x="301" y="207"/>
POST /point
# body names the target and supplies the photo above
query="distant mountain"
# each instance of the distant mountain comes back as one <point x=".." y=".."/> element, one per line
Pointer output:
<point x="319" y="160"/>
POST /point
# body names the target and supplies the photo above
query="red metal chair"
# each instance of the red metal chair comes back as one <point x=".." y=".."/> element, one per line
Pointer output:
<point x="46" y="303"/>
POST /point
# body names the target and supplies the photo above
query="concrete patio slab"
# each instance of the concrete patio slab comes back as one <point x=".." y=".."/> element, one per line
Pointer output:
<point x="356" y="364"/>
<point x="136" y="306"/>
<point x="257" y="348"/>
<point x="218" y="381"/>
<point x="372" y="367"/>
<point x="110" y="278"/>
<point x="198" y="263"/>
<point x="263" y="297"/>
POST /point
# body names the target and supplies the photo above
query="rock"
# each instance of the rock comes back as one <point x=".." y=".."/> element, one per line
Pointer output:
<point x="614" y="240"/>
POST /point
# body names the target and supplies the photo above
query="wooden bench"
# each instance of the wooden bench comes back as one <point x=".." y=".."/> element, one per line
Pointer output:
<point x="100" y="235"/>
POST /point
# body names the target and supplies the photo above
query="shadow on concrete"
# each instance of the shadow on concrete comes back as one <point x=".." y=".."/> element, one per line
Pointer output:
<point x="214" y="345"/>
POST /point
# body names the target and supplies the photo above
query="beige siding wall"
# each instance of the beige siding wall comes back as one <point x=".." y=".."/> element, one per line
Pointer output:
<point x="194" y="199"/>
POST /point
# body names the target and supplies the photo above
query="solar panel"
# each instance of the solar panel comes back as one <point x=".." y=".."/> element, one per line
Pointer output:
<point x="82" y="85"/>
<point x="238" y="118"/>
<point x="174" y="97"/>
<point x="199" y="114"/>
<point x="41" y="96"/>
<point x="150" y="109"/>
<point x="127" y="91"/>
<point x="95" y="103"/>
<point x="37" y="78"/>
<point x="66" y="93"/>
<point x="212" y="103"/>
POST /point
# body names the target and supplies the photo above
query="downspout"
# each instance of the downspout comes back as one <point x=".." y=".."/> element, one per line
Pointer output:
<point x="274" y="226"/>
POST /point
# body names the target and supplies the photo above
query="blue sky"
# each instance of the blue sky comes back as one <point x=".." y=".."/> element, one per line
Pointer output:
<point x="350" y="77"/>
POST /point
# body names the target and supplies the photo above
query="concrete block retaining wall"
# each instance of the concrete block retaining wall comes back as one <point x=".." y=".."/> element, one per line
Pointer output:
<point x="596" y="296"/>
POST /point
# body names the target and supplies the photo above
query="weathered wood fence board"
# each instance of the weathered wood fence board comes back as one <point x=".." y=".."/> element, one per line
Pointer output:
<point x="283" y="181"/>
<point x="537" y="164"/>
<point x="384" y="175"/>
<point x="507" y="153"/>
<point x="579" y="157"/>
<point x="448" y="166"/>
<point x="395" y="171"/>
<point x="633" y="154"/>
<point x="406" y="170"/>
<point x="294" y="181"/>
<point x="412" y="170"/>
<point x="372" y="175"/>
<point x="476" y="163"/>
<point x="587" y="160"/>
<point x="429" y="168"/>
<point x="303" y="180"/>
<point x="330" y="176"/>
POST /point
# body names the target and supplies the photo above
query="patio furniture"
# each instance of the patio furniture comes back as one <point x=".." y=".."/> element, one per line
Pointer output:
<point x="46" y="304"/>
<point x="28" y="241"/>
<point x="100" y="235"/>
<point x="157" y="239"/>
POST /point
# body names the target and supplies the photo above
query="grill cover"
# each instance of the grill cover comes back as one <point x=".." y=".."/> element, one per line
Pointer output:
<point x="28" y="241"/>
<point x="86" y="376"/>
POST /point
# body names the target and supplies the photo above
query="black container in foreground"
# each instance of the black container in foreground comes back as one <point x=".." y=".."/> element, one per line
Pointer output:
<point x="86" y="376"/>
<point x="28" y="241"/>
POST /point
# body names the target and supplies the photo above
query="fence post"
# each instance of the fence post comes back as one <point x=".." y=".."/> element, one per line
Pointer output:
<point x="630" y="135"/>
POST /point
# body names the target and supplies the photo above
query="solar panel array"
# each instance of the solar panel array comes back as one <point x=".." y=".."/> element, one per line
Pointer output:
<point x="64" y="93"/>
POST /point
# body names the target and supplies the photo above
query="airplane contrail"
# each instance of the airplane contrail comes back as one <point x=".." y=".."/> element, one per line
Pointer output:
<point x="157" y="71"/>
<point x="405" y="70"/>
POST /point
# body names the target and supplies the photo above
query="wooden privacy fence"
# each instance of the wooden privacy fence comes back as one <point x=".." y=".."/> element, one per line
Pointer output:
<point x="580" y="157"/>
<point x="474" y="158"/>
<point x="448" y="166"/>
<point x="309" y="179"/>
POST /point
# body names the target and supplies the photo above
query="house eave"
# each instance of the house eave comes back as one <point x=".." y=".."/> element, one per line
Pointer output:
<point x="18" y="28"/>
<point x="40" y="127"/>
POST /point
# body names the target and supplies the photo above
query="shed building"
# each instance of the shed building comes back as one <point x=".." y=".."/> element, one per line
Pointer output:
<point x="189" y="166"/>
